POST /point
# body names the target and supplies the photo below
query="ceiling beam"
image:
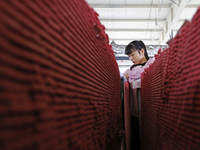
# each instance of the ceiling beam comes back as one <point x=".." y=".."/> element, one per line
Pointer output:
<point x="134" y="20"/>
<point x="127" y="6"/>
<point x="133" y="30"/>
<point x="135" y="6"/>
<point x="130" y="20"/>
<point x="131" y="39"/>
<point x="172" y="19"/>
<point x="192" y="6"/>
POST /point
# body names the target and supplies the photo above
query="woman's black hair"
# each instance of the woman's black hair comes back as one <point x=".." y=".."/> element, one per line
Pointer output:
<point x="136" y="45"/>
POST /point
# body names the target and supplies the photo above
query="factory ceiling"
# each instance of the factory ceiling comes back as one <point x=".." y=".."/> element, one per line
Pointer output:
<point x="153" y="21"/>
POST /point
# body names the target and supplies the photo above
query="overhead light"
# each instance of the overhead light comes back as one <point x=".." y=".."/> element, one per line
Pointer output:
<point x="113" y="43"/>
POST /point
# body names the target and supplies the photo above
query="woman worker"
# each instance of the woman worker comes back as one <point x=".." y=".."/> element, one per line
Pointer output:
<point x="137" y="53"/>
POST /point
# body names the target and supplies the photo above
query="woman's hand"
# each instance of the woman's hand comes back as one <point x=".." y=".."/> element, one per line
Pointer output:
<point x="126" y="76"/>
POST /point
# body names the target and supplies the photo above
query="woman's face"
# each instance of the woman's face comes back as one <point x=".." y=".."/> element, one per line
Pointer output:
<point x="137" y="58"/>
